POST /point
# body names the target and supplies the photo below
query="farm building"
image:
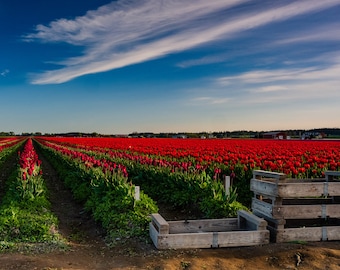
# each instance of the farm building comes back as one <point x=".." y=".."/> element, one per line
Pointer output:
<point x="274" y="135"/>
<point x="312" y="135"/>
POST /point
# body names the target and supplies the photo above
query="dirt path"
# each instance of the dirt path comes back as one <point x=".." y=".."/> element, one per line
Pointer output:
<point x="89" y="251"/>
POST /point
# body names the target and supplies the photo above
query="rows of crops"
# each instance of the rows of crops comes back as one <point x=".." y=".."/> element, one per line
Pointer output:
<point x="210" y="159"/>
<point x="174" y="186"/>
<point x="184" y="173"/>
<point x="293" y="157"/>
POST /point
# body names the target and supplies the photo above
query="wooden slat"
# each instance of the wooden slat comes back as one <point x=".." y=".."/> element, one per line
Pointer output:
<point x="333" y="233"/>
<point x="160" y="224"/>
<point x="264" y="187"/>
<point x="262" y="207"/>
<point x="154" y="234"/>
<point x="312" y="234"/>
<point x="333" y="210"/>
<point x="185" y="240"/>
<point x="203" y="225"/>
<point x="291" y="188"/>
<point x="244" y="238"/>
<point x="294" y="190"/>
<point x="208" y="240"/>
<point x="268" y="174"/>
<point x="334" y="188"/>
<point x="297" y="211"/>
<point x="306" y="211"/>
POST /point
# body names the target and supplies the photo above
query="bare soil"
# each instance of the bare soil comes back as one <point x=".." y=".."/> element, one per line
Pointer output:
<point x="88" y="249"/>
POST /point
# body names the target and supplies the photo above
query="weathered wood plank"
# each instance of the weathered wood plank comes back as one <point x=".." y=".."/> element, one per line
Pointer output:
<point x="203" y="225"/>
<point x="297" y="211"/>
<point x="154" y="234"/>
<point x="293" y="190"/>
<point x="334" y="188"/>
<point x="264" y="187"/>
<point x="160" y="224"/>
<point x="244" y="238"/>
<point x="294" y="187"/>
<point x="311" y="234"/>
<point x="333" y="210"/>
<point x="217" y="239"/>
<point x="182" y="241"/>
<point x="333" y="233"/>
<point x="258" y="174"/>
<point x="263" y="207"/>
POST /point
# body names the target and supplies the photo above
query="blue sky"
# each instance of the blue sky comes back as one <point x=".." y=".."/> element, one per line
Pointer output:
<point x="116" y="67"/>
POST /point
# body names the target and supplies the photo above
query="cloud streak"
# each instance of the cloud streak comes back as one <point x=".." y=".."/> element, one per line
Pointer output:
<point x="129" y="32"/>
<point x="4" y="73"/>
<point x="327" y="33"/>
<point x="260" y="87"/>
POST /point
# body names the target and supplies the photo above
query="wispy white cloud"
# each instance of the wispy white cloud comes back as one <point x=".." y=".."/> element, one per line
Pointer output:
<point x="331" y="32"/>
<point x="211" y="59"/>
<point x="275" y="87"/>
<point x="311" y="74"/>
<point x="128" y="32"/>
<point x="4" y="73"/>
<point x="271" y="88"/>
<point x="323" y="34"/>
<point x="263" y="76"/>
<point x="206" y="100"/>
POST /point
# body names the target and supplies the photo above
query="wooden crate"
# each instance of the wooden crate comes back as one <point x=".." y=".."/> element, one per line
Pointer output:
<point x="245" y="230"/>
<point x="308" y="234"/>
<point x="279" y="199"/>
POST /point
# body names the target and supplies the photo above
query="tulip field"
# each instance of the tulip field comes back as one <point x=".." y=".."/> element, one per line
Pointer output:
<point x="103" y="173"/>
<point x="217" y="157"/>
<point x="298" y="159"/>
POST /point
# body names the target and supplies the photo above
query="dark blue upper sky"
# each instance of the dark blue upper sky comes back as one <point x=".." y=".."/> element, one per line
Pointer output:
<point x="153" y="65"/>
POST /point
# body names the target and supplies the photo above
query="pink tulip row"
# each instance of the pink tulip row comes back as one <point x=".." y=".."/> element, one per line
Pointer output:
<point x="107" y="166"/>
<point x="29" y="161"/>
